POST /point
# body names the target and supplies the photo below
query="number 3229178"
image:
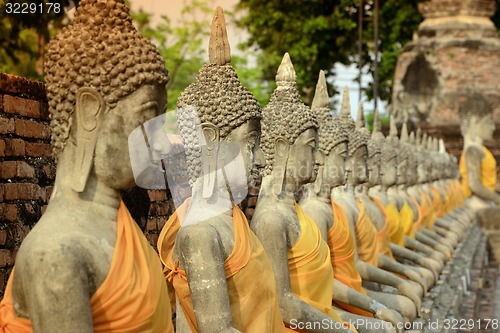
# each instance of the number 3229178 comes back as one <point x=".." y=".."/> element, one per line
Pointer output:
<point x="455" y="324"/>
<point x="33" y="8"/>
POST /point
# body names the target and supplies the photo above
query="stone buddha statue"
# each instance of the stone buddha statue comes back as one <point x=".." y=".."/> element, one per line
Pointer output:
<point x="213" y="260"/>
<point x="377" y="211"/>
<point x="362" y="227"/>
<point x="378" y="193"/>
<point x="73" y="270"/>
<point x="477" y="164"/>
<point x="348" y="293"/>
<point x="299" y="255"/>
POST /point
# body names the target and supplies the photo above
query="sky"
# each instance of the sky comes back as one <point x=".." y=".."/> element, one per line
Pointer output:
<point x="172" y="9"/>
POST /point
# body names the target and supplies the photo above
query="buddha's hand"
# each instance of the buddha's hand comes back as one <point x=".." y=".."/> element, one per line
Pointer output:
<point x="406" y="289"/>
<point x="390" y="316"/>
<point x="231" y="330"/>
<point x="432" y="265"/>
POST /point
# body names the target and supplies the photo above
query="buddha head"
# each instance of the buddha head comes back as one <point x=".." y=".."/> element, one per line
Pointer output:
<point x="424" y="163"/>
<point x="356" y="166"/>
<point x="402" y="154"/>
<point x="407" y="149"/>
<point x="413" y="161"/>
<point x="476" y="118"/>
<point x="216" y="112"/>
<point x="103" y="79"/>
<point x="332" y="141"/>
<point x="388" y="156"/>
<point x="289" y="134"/>
<point x="374" y="151"/>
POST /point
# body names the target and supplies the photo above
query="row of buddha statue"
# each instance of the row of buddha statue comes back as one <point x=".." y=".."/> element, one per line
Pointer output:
<point x="376" y="220"/>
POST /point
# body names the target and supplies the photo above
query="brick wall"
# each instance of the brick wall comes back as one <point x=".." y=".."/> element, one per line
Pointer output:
<point x="27" y="169"/>
<point x="27" y="172"/>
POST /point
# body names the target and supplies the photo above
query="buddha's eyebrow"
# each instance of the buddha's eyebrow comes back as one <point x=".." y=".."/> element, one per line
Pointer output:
<point x="146" y="106"/>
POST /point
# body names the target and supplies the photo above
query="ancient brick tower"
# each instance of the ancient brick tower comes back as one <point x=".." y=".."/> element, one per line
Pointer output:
<point x="455" y="51"/>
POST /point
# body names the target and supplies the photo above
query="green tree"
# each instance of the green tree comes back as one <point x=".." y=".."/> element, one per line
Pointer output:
<point x="23" y="36"/>
<point x="316" y="33"/>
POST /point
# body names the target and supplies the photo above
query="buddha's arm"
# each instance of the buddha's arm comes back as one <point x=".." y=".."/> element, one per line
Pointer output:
<point x="52" y="284"/>
<point x="202" y="258"/>
<point x="345" y="294"/>
<point x="416" y="245"/>
<point x="473" y="157"/>
<point x="425" y="238"/>
<point x="433" y="265"/>
<point x="375" y="274"/>
<point x="392" y="265"/>
<point x="271" y="232"/>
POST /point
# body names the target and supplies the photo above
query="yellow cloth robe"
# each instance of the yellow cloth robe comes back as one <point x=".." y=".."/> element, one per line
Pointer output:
<point x="366" y="237"/>
<point x="132" y="299"/>
<point x="397" y="228"/>
<point x="418" y="222"/>
<point x="407" y="217"/>
<point x="342" y="250"/>
<point x="488" y="172"/>
<point x="384" y="234"/>
<point x="250" y="279"/>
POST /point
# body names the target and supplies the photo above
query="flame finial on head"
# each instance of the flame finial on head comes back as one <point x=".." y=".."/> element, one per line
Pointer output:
<point x="286" y="72"/>
<point x="393" y="132"/>
<point x="321" y="95"/>
<point x="442" y="147"/>
<point x="412" y="139"/>
<point x="404" y="133"/>
<point x="219" y="51"/>
<point x="345" y="109"/>
<point x="360" y="118"/>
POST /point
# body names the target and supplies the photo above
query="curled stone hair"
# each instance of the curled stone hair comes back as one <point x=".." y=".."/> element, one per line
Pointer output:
<point x="285" y="116"/>
<point x="373" y="145"/>
<point x="387" y="150"/>
<point x="475" y="105"/>
<point x="356" y="138"/>
<point x="216" y="96"/>
<point x="329" y="133"/>
<point x="102" y="50"/>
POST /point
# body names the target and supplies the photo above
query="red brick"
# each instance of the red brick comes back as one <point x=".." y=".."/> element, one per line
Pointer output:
<point x="31" y="129"/>
<point x="49" y="170"/>
<point x="23" y="191"/>
<point x="8" y="212"/>
<point x="151" y="225"/>
<point x="48" y="192"/>
<point x="21" y="106"/>
<point x="2" y="148"/>
<point x="16" y="169"/>
<point x="3" y="237"/>
<point x="8" y="169"/>
<point x="153" y="239"/>
<point x="1" y="192"/>
<point x="14" y="147"/>
<point x="5" y="258"/>
<point x="24" y="170"/>
<point x="7" y="125"/>
<point x="161" y="222"/>
<point x="34" y="149"/>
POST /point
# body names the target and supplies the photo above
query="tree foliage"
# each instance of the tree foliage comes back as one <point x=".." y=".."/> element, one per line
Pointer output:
<point x="23" y="37"/>
<point x="320" y="33"/>
<point x="316" y="33"/>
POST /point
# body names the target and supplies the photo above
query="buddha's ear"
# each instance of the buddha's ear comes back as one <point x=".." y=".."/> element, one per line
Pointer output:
<point x="281" y="153"/>
<point x="89" y="113"/>
<point x="209" y="161"/>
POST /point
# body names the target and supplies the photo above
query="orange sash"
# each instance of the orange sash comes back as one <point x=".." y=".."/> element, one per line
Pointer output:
<point x="250" y="279"/>
<point x="366" y="237"/>
<point x="384" y="235"/>
<point x="341" y="243"/>
<point x="311" y="271"/>
<point x="418" y="222"/>
<point x="488" y="172"/>
<point x="407" y="217"/>
<point x="397" y="229"/>
<point x="133" y="297"/>
<point x="429" y="215"/>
